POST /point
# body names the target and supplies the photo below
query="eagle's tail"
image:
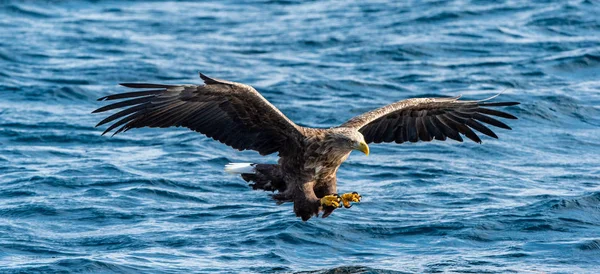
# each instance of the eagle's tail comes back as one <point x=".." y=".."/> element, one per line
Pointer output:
<point x="265" y="176"/>
<point x="240" y="168"/>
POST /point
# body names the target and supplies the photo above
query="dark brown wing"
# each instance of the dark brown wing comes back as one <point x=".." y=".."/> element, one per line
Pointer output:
<point x="425" y="119"/>
<point x="232" y="113"/>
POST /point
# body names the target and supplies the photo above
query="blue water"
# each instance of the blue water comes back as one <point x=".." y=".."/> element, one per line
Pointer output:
<point x="157" y="200"/>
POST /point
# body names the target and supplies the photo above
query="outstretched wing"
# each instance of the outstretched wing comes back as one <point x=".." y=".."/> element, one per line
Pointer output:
<point x="232" y="113"/>
<point x="425" y="119"/>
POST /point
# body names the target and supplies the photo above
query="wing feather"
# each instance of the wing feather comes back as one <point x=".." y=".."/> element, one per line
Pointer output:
<point x="435" y="132"/>
<point x="462" y="128"/>
<point x="424" y="134"/>
<point x="494" y="112"/>
<point x="490" y="120"/>
<point x="125" y="103"/>
<point x="481" y="128"/>
<point x="390" y="131"/>
<point x="426" y="119"/>
<point x="452" y="130"/>
<point x="130" y="94"/>
<point x="412" y="130"/>
<point x="403" y="129"/>
<point x="232" y="113"/>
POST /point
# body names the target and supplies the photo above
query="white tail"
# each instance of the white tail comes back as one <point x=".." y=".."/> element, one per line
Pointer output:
<point x="240" y="168"/>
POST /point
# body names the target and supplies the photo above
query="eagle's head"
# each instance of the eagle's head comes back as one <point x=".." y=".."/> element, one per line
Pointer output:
<point x="347" y="139"/>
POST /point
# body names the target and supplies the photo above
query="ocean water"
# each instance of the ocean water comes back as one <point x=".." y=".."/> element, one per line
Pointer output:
<point x="158" y="201"/>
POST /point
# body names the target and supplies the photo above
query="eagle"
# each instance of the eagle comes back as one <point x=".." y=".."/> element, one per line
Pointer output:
<point x="239" y="116"/>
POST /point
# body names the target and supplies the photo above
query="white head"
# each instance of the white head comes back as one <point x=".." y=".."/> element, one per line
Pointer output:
<point x="347" y="139"/>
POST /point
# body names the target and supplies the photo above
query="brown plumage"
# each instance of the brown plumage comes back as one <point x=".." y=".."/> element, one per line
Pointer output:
<point x="237" y="115"/>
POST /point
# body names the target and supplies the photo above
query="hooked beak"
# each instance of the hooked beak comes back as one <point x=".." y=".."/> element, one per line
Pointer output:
<point x="362" y="146"/>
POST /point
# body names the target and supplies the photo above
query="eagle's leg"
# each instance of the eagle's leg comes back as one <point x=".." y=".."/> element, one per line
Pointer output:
<point x="306" y="203"/>
<point x="350" y="197"/>
<point x="326" y="190"/>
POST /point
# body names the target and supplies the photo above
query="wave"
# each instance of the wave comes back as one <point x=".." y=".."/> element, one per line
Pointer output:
<point x="31" y="11"/>
<point x="352" y="269"/>
<point x="80" y="265"/>
<point x="591" y="245"/>
<point x="588" y="202"/>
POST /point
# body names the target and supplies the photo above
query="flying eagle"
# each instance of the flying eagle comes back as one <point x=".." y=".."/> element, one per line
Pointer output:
<point x="238" y="116"/>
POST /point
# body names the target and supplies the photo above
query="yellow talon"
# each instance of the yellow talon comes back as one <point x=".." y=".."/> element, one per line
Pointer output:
<point x="350" y="197"/>
<point x="332" y="200"/>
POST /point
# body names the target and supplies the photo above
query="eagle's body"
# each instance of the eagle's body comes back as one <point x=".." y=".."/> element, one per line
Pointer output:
<point x="237" y="115"/>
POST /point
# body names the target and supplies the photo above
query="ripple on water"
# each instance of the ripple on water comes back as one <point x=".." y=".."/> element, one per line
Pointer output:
<point x="83" y="265"/>
<point x="590" y="245"/>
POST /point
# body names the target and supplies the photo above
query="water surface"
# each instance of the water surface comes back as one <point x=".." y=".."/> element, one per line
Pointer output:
<point x="157" y="200"/>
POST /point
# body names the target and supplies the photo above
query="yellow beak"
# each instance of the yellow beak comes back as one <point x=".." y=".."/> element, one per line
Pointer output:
<point x="362" y="146"/>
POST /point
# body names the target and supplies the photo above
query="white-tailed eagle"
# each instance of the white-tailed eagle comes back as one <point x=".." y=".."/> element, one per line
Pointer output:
<point x="237" y="115"/>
